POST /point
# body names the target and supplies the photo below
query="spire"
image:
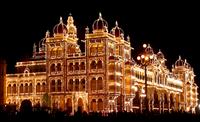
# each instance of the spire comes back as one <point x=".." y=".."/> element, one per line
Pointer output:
<point x="185" y="60"/>
<point x="100" y="16"/>
<point x="179" y="57"/>
<point x="116" y="23"/>
<point x="70" y="14"/>
<point x="159" y="50"/>
<point x="47" y="34"/>
<point x="61" y="21"/>
<point x="128" y="38"/>
<point x="87" y="30"/>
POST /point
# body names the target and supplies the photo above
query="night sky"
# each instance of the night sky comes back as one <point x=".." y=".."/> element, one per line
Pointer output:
<point x="172" y="27"/>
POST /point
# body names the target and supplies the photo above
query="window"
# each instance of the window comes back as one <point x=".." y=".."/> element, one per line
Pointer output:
<point x="70" y="67"/>
<point x="9" y="89"/>
<point x="93" y="84"/>
<point x="53" y="86"/>
<point x="76" y="66"/>
<point x="30" y="88"/>
<point x="21" y="88"/>
<point x="59" y="85"/>
<point x="70" y="86"/>
<point x="76" y="84"/>
<point x="99" y="83"/>
<point x="99" y="64"/>
<point x="53" y="69"/>
<point x="38" y="87"/>
<point x="43" y="87"/>
<point x="93" y="65"/>
<point x="26" y="88"/>
<point x="14" y="89"/>
<point x="82" y="66"/>
<point x="58" y="67"/>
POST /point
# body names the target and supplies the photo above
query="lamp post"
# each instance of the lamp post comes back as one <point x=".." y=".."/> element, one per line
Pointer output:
<point x="145" y="59"/>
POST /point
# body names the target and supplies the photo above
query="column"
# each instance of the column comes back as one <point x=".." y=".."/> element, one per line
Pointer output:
<point x="141" y="104"/>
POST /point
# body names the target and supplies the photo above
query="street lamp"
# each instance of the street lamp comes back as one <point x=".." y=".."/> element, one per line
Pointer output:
<point x="145" y="59"/>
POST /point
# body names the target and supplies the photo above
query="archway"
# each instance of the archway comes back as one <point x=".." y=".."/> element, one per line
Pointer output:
<point x="156" y="100"/>
<point x="93" y="105"/>
<point x="69" y="105"/>
<point x="80" y="105"/>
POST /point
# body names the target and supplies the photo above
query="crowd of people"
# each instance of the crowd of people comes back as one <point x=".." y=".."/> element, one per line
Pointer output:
<point x="37" y="113"/>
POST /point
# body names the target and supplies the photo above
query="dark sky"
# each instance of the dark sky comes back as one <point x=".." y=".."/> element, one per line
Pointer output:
<point x="172" y="27"/>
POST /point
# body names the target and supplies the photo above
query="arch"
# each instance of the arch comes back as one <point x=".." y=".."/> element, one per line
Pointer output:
<point x="76" y="66"/>
<point x="93" y="105"/>
<point x="100" y="104"/>
<point x="53" y="68"/>
<point x="70" y="85"/>
<point x="30" y="88"/>
<point x="70" y="67"/>
<point x="9" y="89"/>
<point x="53" y="89"/>
<point x="14" y="89"/>
<point x="136" y="100"/>
<point x="171" y="101"/>
<point x="26" y="88"/>
<point x="99" y="64"/>
<point x="165" y="101"/>
<point x="38" y="87"/>
<point x="82" y="85"/>
<point x="100" y="83"/>
<point x="21" y="88"/>
<point x="69" y="105"/>
<point x="93" y="65"/>
<point x="82" y="66"/>
<point x="80" y="105"/>
<point x="93" y="84"/>
<point x="43" y="87"/>
<point x="59" y="68"/>
<point x="156" y="100"/>
<point x="76" y="84"/>
<point x="59" y="85"/>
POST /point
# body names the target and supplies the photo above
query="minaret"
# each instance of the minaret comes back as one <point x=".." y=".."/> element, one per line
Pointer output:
<point x="34" y="50"/>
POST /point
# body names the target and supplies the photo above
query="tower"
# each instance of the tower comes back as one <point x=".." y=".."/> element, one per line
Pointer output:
<point x="2" y="81"/>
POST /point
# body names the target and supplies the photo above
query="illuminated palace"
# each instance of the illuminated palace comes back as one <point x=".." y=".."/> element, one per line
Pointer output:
<point x="103" y="78"/>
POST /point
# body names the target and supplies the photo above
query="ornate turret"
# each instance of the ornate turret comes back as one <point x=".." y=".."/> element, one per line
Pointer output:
<point x="117" y="31"/>
<point x="59" y="28"/>
<point x="71" y="28"/>
<point x="179" y="62"/>
<point x="100" y="25"/>
<point x="149" y="50"/>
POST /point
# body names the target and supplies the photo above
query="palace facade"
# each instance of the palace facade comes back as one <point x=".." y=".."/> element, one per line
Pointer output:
<point x="103" y="78"/>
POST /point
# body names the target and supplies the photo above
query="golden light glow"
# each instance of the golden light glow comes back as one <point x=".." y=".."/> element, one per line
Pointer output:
<point x="69" y="75"/>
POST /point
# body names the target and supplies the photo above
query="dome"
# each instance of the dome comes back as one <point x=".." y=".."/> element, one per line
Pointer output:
<point x="149" y="50"/>
<point x="117" y="31"/>
<point x="60" y="27"/>
<point x="179" y="62"/>
<point x="160" y="55"/>
<point x="100" y="24"/>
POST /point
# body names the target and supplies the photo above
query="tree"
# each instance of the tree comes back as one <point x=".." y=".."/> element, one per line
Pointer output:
<point x="46" y="100"/>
